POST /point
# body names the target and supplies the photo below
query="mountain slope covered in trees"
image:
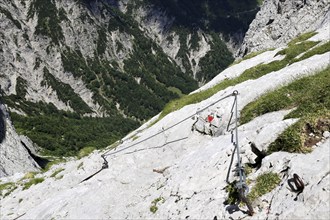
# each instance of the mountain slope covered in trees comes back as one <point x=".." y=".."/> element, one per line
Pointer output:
<point x="83" y="73"/>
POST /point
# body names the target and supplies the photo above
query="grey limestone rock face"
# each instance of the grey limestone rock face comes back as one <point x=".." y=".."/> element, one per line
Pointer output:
<point x="278" y="21"/>
<point x="14" y="156"/>
<point x="181" y="173"/>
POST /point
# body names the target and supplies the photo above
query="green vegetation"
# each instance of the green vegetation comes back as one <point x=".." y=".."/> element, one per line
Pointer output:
<point x="33" y="181"/>
<point x="29" y="179"/>
<point x="101" y="42"/>
<point x="135" y="137"/>
<point x="111" y="85"/>
<point x="148" y="63"/>
<point x="194" y="41"/>
<point x="65" y="93"/>
<point x="215" y="61"/>
<point x="264" y="184"/>
<point x="57" y="172"/>
<point x="233" y="194"/>
<point x="183" y="34"/>
<point x="64" y="134"/>
<point x="254" y="54"/>
<point x="6" y="186"/>
<point x="311" y="97"/>
<point x="260" y="2"/>
<point x="62" y="15"/>
<point x="153" y="207"/>
<point x="59" y="177"/>
<point x="85" y="151"/>
<point x="247" y="169"/>
<point x="48" y="19"/>
<point x="155" y="69"/>
<point x="219" y="57"/>
<point x="321" y="49"/>
<point x="252" y="73"/>
<point x="225" y="16"/>
<point x="295" y="49"/>
<point x="301" y="38"/>
<point x="148" y="72"/>
<point x="10" y="17"/>
<point x="298" y="138"/>
<point x="29" y="175"/>
<point x="21" y="87"/>
<point x="250" y="55"/>
<point x="53" y="162"/>
<point x="37" y="63"/>
<point x="74" y="62"/>
<point x="80" y="165"/>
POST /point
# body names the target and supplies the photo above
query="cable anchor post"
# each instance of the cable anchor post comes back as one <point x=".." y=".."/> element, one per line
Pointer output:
<point x="241" y="185"/>
<point x="105" y="164"/>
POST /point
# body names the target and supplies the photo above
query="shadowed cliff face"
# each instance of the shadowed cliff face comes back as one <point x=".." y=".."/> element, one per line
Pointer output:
<point x="2" y="125"/>
<point x="227" y="17"/>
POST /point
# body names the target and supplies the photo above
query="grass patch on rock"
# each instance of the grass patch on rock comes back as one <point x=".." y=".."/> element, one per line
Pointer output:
<point x="53" y="162"/>
<point x="56" y="172"/>
<point x="294" y="50"/>
<point x="301" y="136"/>
<point x="85" y="152"/>
<point x="253" y="73"/>
<point x="29" y="175"/>
<point x="80" y="166"/>
<point x="153" y="207"/>
<point x="251" y="55"/>
<point x="233" y="194"/>
<point x="321" y="49"/>
<point x="302" y="37"/>
<point x="311" y="98"/>
<point x="264" y="183"/>
<point x="308" y="94"/>
<point x="6" y="185"/>
<point x="33" y="181"/>
<point x="254" y="54"/>
<point x="7" y="188"/>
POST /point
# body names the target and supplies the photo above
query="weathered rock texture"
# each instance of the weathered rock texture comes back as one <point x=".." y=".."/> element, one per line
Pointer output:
<point x="180" y="174"/>
<point x="278" y="21"/>
<point x="14" y="156"/>
<point x="97" y="31"/>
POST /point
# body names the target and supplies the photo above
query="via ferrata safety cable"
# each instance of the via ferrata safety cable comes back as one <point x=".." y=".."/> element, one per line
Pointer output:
<point x="241" y="186"/>
<point x="108" y="153"/>
<point x="104" y="166"/>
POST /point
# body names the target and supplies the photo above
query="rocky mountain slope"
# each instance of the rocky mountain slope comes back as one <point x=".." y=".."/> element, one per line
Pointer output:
<point x="279" y="21"/>
<point x="14" y="153"/>
<point x="76" y="61"/>
<point x="164" y="169"/>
